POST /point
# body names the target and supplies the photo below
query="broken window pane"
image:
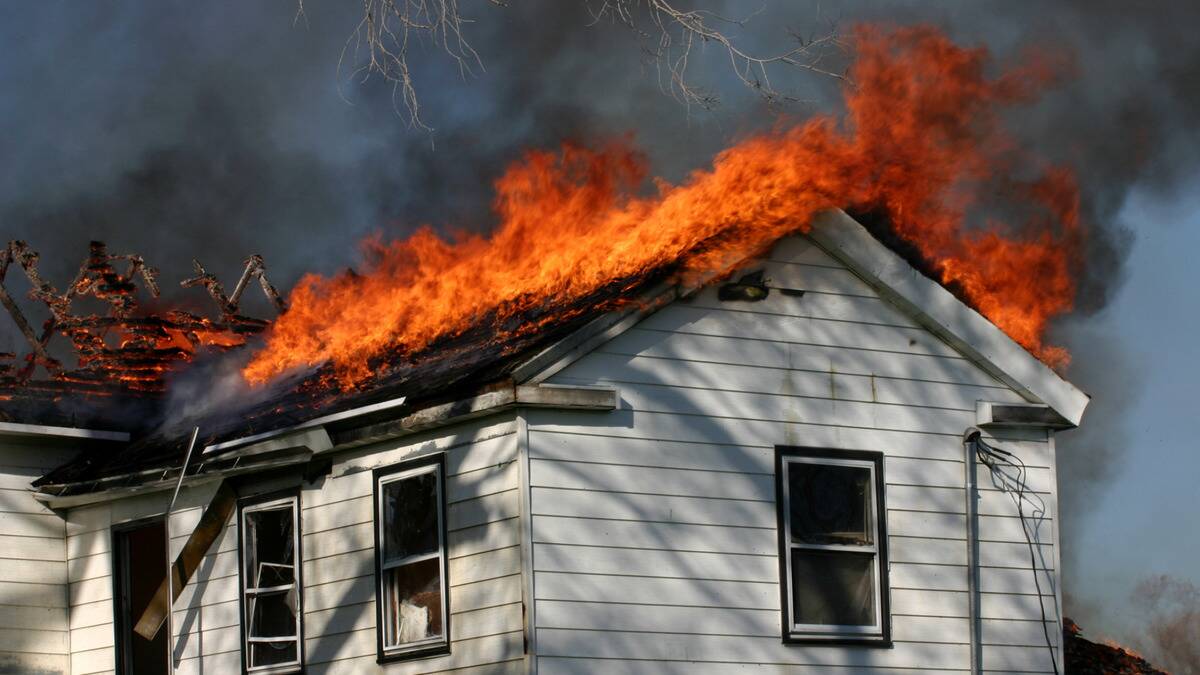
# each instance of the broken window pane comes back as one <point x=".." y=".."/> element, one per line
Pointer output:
<point x="410" y="511"/>
<point x="273" y="615"/>
<point x="833" y="588"/>
<point x="270" y="560"/>
<point x="414" y="602"/>
<point x="269" y="582"/>
<point x="830" y="504"/>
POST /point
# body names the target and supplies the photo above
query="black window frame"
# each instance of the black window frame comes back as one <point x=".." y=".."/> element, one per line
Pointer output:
<point x="882" y="638"/>
<point x="298" y="534"/>
<point x="378" y="477"/>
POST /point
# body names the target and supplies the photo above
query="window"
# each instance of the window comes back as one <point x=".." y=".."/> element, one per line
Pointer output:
<point x="273" y="635"/>
<point x="832" y="546"/>
<point x="413" y="612"/>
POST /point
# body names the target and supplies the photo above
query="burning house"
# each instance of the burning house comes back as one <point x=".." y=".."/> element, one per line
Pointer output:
<point x="823" y="460"/>
<point x="722" y="427"/>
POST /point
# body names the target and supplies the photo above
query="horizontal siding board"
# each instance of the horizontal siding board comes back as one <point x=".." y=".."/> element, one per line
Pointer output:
<point x="622" y="425"/>
<point x="475" y="651"/>
<point x="501" y="534"/>
<point x="366" y="664"/>
<point x="726" y="485"/>
<point x="779" y="352"/>
<point x="92" y="637"/>
<point x="464" y="513"/>
<point x="689" y="450"/>
<point x="33" y="571"/>
<point x="31" y="525"/>
<point x="469" y="448"/>
<point x="718" y="622"/>
<point x="47" y="549"/>
<point x="716" y="403"/>
<point x="661" y="508"/>
<point x="42" y="664"/>
<point x="624" y="369"/>
<point x="28" y="641"/>
<point x="594" y="560"/>
<point x="18" y="500"/>
<point x="669" y="536"/>
<point x="681" y="318"/>
<point x="668" y="647"/>
<point x="32" y="617"/>
<point x="93" y="661"/>
<point x="556" y="665"/>
<point x="656" y="591"/>
<point x="91" y="614"/>
<point x="477" y="656"/>
<point x="647" y="480"/>
<point x="33" y="595"/>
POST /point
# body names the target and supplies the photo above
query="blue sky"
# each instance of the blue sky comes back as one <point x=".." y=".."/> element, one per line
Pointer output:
<point x="1145" y="521"/>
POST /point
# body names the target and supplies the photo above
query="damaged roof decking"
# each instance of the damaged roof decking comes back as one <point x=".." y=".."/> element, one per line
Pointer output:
<point x="479" y="359"/>
<point x="492" y="356"/>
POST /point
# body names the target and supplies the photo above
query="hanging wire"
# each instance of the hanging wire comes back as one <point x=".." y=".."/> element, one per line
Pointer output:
<point x="995" y="459"/>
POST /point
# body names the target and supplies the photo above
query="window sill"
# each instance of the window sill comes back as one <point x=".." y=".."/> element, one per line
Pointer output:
<point x="423" y="652"/>
<point x="292" y="669"/>
<point x="844" y="640"/>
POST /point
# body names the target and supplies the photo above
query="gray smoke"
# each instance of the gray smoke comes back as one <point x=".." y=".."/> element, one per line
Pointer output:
<point x="177" y="129"/>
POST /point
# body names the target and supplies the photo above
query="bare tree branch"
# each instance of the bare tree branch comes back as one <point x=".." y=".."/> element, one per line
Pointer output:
<point x="677" y="32"/>
<point x="389" y="29"/>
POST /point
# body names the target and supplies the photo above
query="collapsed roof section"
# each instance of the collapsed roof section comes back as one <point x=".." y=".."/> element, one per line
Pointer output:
<point x="114" y="348"/>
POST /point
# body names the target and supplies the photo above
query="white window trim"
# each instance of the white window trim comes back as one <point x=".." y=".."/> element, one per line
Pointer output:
<point x="804" y="630"/>
<point x="249" y="593"/>
<point x="385" y="565"/>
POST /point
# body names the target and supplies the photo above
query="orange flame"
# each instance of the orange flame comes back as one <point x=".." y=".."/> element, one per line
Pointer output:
<point x="922" y="144"/>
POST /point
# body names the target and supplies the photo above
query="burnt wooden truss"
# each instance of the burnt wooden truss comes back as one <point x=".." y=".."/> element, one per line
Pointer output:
<point x="123" y="349"/>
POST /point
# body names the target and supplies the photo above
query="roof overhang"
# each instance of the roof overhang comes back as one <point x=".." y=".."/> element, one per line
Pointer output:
<point x="13" y="429"/>
<point x="936" y="309"/>
<point x="294" y="446"/>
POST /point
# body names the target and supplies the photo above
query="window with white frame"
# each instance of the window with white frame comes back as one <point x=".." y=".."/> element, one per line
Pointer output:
<point x="270" y="580"/>
<point x="832" y="545"/>
<point x="413" y="612"/>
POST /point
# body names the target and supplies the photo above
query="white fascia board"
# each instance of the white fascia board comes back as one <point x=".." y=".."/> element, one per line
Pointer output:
<point x="936" y="309"/>
<point x="43" y="431"/>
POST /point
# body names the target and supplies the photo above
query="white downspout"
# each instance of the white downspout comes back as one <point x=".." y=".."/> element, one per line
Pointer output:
<point x="971" y="496"/>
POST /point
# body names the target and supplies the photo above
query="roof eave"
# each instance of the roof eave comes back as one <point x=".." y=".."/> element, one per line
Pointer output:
<point x="936" y="309"/>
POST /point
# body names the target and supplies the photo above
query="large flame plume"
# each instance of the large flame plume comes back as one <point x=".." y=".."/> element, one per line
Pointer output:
<point x="922" y="145"/>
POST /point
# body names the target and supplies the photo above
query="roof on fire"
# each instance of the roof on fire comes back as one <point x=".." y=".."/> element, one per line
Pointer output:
<point x="479" y="361"/>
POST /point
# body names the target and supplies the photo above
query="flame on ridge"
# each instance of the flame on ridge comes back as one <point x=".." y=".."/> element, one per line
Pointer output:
<point x="922" y="143"/>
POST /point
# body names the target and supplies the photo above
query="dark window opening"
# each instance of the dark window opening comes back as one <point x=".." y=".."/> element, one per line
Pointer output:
<point x="140" y="565"/>
<point x="832" y="545"/>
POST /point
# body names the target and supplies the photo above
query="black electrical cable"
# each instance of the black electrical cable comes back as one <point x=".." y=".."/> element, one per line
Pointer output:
<point x="990" y="456"/>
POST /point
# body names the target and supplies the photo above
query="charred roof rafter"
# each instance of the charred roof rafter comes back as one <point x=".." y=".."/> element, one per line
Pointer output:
<point x="148" y="346"/>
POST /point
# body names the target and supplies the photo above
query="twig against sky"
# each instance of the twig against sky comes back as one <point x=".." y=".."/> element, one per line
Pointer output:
<point x="382" y="43"/>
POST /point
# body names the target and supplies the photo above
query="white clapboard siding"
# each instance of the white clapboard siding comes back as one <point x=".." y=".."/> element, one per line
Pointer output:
<point x="654" y="526"/>
<point x="89" y="566"/>
<point x="33" y="568"/>
<point x="486" y="588"/>
<point x="487" y="620"/>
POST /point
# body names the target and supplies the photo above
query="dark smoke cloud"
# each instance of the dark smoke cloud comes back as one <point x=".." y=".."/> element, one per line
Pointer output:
<point x="179" y="129"/>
